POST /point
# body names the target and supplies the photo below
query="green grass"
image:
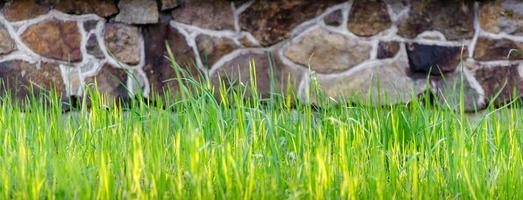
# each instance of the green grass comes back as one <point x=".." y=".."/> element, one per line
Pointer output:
<point x="242" y="148"/>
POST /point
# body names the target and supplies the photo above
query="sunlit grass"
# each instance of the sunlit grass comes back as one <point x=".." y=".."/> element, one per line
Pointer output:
<point x="242" y="148"/>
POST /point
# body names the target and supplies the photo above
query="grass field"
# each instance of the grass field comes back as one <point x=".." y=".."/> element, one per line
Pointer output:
<point x="196" y="148"/>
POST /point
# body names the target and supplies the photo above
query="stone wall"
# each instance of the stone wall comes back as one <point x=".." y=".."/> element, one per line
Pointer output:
<point x="367" y="49"/>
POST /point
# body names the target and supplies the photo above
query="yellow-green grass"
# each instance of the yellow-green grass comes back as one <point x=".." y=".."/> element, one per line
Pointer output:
<point x="195" y="147"/>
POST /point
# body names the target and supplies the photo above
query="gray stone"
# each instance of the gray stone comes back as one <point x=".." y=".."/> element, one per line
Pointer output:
<point x="381" y="83"/>
<point x="448" y="89"/>
<point x="93" y="47"/>
<point x="137" y="12"/>
<point x="169" y="4"/>
<point x="327" y="52"/>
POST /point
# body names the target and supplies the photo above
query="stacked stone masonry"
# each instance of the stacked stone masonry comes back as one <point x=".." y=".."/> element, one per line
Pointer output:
<point x="358" y="48"/>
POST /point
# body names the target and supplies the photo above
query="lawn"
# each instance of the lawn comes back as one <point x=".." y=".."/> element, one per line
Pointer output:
<point x="244" y="148"/>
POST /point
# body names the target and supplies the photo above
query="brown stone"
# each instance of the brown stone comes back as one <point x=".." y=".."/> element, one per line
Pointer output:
<point x="122" y="42"/>
<point x="237" y="72"/>
<point x="368" y="18"/>
<point x="378" y="84"/>
<point x="211" y="49"/>
<point x="501" y="84"/>
<point x="454" y="19"/>
<point x="502" y="49"/>
<point x="54" y="39"/>
<point x="110" y="81"/>
<point x="388" y="49"/>
<point x="103" y="8"/>
<point x="22" y="80"/>
<point x="169" y="4"/>
<point x="207" y="14"/>
<point x="334" y="19"/>
<point x="502" y="16"/>
<point x="7" y="45"/>
<point x="272" y="21"/>
<point x="137" y="12"/>
<point x="19" y="10"/>
<point x="327" y="52"/>
<point x="158" y="68"/>
<point x="93" y="47"/>
<point x="449" y="88"/>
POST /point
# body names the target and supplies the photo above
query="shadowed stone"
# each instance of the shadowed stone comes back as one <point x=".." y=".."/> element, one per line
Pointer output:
<point x="19" y="10"/>
<point x="387" y="49"/>
<point x="368" y="18"/>
<point x="502" y="16"/>
<point x="90" y="25"/>
<point x="501" y="84"/>
<point x="380" y="83"/>
<point x="102" y="8"/>
<point x="448" y="89"/>
<point x="158" y="68"/>
<point x="212" y="48"/>
<point x="502" y="49"/>
<point x="54" y="39"/>
<point x="327" y="52"/>
<point x="334" y="19"/>
<point x="434" y="59"/>
<point x="207" y="14"/>
<point x="272" y="21"/>
<point x="22" y="80"/>
<point x="122" y="42"/>
<point x="110" y="81"/>
<point x="452" y="18"/>
<point x="7" y="45"/>
<point x="93" y="47"/>
<point x="137" y="12"/>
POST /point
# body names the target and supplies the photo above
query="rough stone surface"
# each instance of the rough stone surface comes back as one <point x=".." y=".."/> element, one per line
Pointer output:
<point x="502" y="16"/>
<point x="158" y="68"/>
<point x="22" y="79"/>
<point x="90" y="25"/>
<point x="501" y="83"/>
<point x="334" y="19"/>
<point x="110" y="81"/>
<point x="434" y="59"/>
<point x="379" y="84"/>
<point x="272" y="21"/>
<point x="212" y="49"/>
<point x="169" y="4"/>
<point x="137" y="12"/>
<point x="207" y="14"/>
<point x="93" y="47"/>
<point x="237" y="72"/>
<point x="54" y="39"/>
<point x="327" y="52"/>
<point x="122" y="42"/>
<point x="454" y="19"/>
<point x="19" y="10"/>
<point x="7" y="45"/>
<point x="103" y="8"/>
<point x="502" y="49"/>
<point x="449" y="88"/>
<point x="368" y="18"/>
<point x="388" y="49"/>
